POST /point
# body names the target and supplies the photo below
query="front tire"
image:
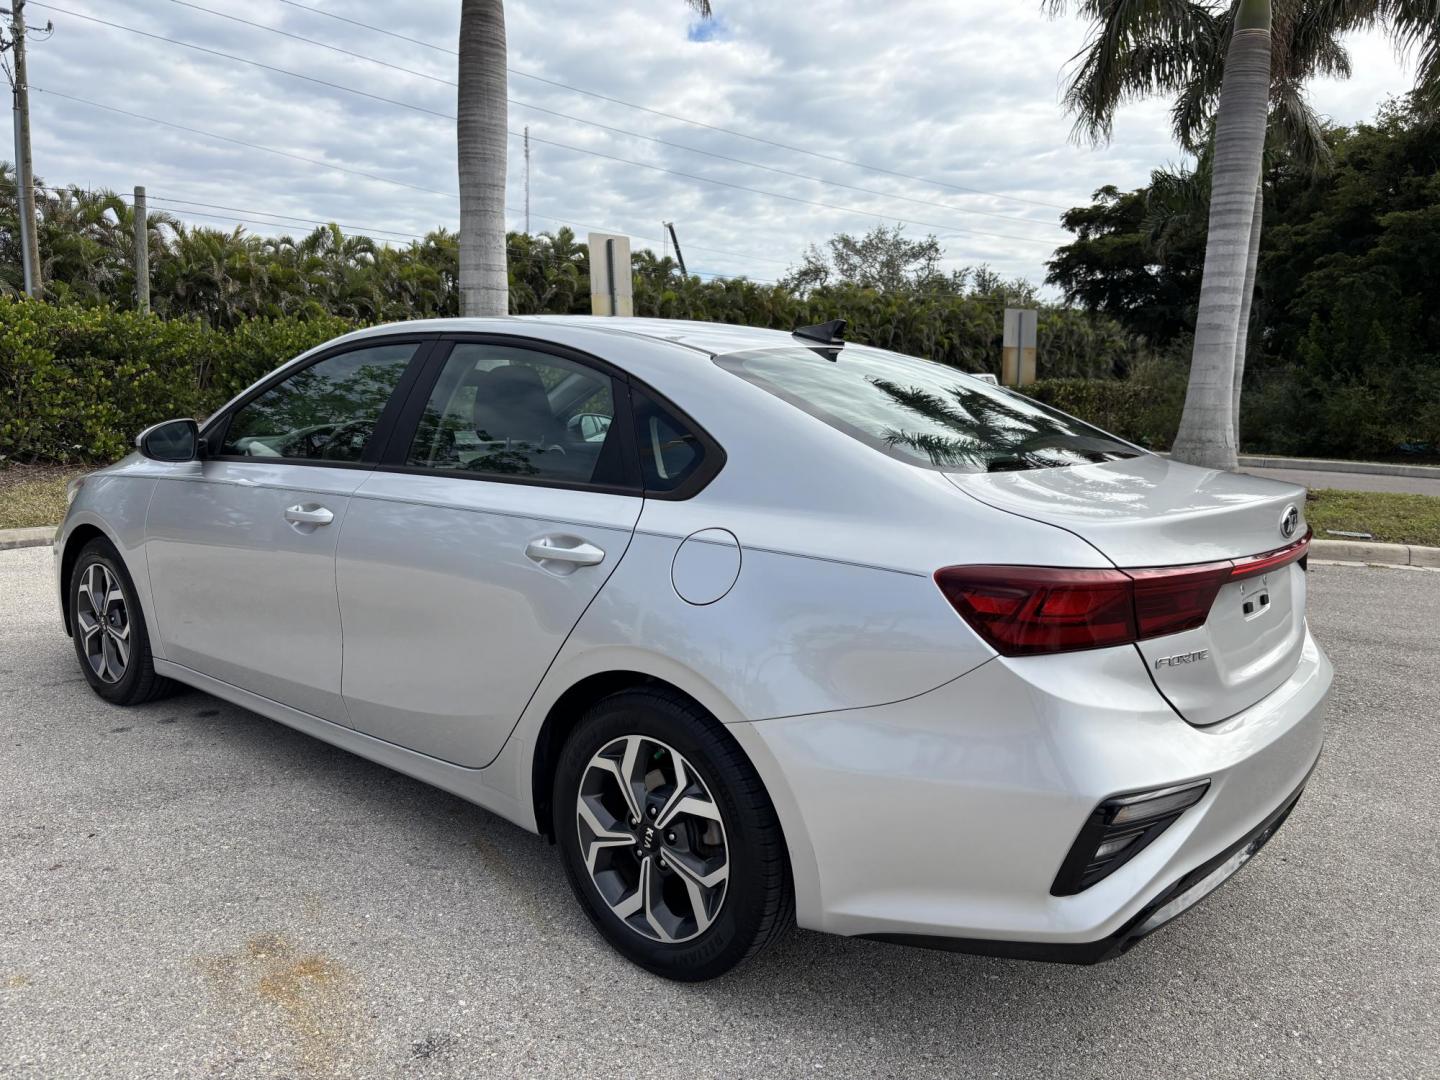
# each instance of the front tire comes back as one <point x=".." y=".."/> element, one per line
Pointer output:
<point x="668" y="837"/>
<point x="108" y="628"/>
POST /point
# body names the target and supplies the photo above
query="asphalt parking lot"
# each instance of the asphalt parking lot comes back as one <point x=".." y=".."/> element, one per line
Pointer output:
<point x="189" y="890"/>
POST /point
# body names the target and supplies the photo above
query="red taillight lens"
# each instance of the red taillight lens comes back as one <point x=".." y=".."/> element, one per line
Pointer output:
<point x="1272" y="560"/>
<point x="1169" y="600"/>
<point x="1025" y="610"/>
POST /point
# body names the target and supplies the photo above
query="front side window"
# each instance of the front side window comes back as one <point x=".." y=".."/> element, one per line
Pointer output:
<point x="509" y="412"/>
<point x="324" y="412"/>
<point x="925" y="413"/>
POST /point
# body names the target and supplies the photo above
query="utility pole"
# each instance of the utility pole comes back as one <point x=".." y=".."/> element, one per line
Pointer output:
<point x="527" y="179"/>
<point x="142" y="254"/>
<point x="670" y="225"/>
<point x="24" y="175"/>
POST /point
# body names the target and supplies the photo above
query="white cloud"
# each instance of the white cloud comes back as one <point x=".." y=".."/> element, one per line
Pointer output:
<point x="961" y="93"/>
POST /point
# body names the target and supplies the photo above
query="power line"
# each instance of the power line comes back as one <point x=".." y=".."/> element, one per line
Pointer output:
<point x="551" y="142"/>
<point x="312" y="41"/>
<point x="686" y="119"/>
<point x="367" y="230"/>
<point x="317" y="162"/>
<point x="617" y="130"/>
<point x="244" y="60"/>
<point x="787" y="198"/>
<point x="241" y="142"/>
<point x="367" y="26"/>
<point x="182" y="207"/>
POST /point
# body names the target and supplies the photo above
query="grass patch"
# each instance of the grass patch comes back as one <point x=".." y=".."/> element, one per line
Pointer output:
<point x="1391" y="517"/>
<point x="34" y="495"/>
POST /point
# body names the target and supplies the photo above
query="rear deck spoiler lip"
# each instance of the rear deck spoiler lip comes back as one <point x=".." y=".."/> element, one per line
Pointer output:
<point x="1255" y="565"/>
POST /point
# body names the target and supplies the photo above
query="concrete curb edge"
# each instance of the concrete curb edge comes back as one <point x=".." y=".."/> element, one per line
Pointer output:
<point x="23" y="538"/>
<point x="1366" y="551"/>
<point x="1373" y="468"/>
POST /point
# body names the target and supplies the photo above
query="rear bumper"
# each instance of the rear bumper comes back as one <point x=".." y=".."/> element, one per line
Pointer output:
<point x="947" y="816"/>
<point x="1169" y="905"/>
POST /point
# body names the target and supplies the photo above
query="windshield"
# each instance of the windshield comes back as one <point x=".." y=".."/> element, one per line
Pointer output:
<point x="924" y="413"/>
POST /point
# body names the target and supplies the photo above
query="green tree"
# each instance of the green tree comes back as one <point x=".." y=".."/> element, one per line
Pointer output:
<point x="884" y="259"/>
<point x="1232" y="69"/>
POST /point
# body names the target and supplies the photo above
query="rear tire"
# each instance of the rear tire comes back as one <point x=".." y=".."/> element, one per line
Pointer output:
<point x="701" y="882"/>
<point x="111" y="640"/>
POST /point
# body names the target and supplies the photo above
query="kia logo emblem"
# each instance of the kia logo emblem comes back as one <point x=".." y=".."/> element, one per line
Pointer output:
<point x="1289" y="521"/>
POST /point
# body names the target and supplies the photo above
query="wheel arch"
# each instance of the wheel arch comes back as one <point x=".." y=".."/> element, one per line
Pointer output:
<point x="561" y="720"/>
<point x="75" y="541"/>
<point x="565" y="713"/>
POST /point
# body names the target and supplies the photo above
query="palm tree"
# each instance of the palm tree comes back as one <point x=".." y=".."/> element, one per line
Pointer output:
<point x="481" y="130"/>
<point x="1230" y="67"/>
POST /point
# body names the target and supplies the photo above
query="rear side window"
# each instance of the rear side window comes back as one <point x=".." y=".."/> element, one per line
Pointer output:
<point x="501" y="411"/>
<point x="924" y="413"/>
<point x="671" y="451"/>
<point x="324" y="412"/>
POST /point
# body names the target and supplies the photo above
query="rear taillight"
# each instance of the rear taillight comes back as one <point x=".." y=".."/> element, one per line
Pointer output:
<point x="1025" y="610"/>
<point x="1022" y="610"/>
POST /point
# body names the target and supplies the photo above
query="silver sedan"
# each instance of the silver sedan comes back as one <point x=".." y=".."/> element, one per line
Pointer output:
<point x="761" y="628"/>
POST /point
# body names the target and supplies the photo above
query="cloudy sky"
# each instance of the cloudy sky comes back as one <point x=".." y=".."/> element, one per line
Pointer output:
<point x="961" y="97"/>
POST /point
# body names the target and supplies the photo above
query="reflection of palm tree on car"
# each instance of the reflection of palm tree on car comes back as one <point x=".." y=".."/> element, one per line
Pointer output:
<point x="990" y="433"/>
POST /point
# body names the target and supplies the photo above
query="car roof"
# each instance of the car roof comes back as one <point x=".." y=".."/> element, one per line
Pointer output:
<point x="710" y="338"/>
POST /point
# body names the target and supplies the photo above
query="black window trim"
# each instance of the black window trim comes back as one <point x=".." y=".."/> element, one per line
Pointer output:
<point x="407" y="421"/>
<point x="217" y="427"/>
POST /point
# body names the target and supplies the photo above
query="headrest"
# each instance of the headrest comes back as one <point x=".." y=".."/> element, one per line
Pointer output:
<point x="511" y="406"/>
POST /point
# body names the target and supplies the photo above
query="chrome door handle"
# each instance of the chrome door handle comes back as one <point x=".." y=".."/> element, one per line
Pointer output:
<point x="565" y="549"/>
<point x="309" y="515"/>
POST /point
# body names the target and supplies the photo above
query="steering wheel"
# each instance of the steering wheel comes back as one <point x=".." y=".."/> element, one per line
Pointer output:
<point x="339" y="443"/>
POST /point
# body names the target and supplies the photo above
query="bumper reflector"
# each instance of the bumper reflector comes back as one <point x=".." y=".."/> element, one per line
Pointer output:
<point x="1118" y="829"/>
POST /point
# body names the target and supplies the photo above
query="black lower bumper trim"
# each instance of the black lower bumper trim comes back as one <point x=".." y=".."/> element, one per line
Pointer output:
<point x="1107" y="948"/>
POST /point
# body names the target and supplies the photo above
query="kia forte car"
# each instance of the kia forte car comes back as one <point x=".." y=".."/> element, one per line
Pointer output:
<point x="759" y="628"/>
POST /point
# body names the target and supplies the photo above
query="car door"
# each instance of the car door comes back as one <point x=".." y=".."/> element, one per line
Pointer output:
<point x="241" y="544"/>
<point x="470" y="554"/>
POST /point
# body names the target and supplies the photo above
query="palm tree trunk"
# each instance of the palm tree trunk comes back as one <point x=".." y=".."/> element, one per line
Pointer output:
<point x="1242" y="334"/>
<point x="1207" y="426"/>
<point x="481" y="131"/>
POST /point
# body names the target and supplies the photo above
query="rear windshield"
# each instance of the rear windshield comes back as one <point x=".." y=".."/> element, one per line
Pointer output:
<point x="923" y="412"/>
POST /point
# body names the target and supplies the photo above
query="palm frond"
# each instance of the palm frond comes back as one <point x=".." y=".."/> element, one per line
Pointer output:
<point x="1415" y="25"/>
<point x="1135" y="48"/>
<point x="1296" y="129"/>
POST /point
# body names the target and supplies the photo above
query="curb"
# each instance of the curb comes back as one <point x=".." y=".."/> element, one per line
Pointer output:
<point x="23" y="538"/>
<point x="1365" y="551"/>
<point x="1373" y="468"/>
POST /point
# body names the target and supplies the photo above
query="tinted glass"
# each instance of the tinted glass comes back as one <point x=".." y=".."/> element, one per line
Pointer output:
<point x="670" y="452"/>
<point x="326" y="412"/>
<point x="925" y="413"/>
<point x="514" y="412"/>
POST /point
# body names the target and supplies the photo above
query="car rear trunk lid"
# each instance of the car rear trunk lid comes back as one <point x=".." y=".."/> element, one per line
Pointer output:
<point x="1148" y="511"/>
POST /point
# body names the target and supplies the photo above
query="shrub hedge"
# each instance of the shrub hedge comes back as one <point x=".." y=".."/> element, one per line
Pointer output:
<point x="78" y="383"/>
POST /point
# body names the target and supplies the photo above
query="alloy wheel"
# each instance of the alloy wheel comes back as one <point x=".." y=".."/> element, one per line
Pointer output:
<point x="653" y="839"/>
<point x="104" y="623"/>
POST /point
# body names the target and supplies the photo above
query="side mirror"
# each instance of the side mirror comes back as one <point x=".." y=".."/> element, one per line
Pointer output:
<point x="174" y="440"/>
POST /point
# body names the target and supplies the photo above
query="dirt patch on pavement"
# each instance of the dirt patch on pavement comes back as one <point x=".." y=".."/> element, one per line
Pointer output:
<point x="279" y="997"/>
